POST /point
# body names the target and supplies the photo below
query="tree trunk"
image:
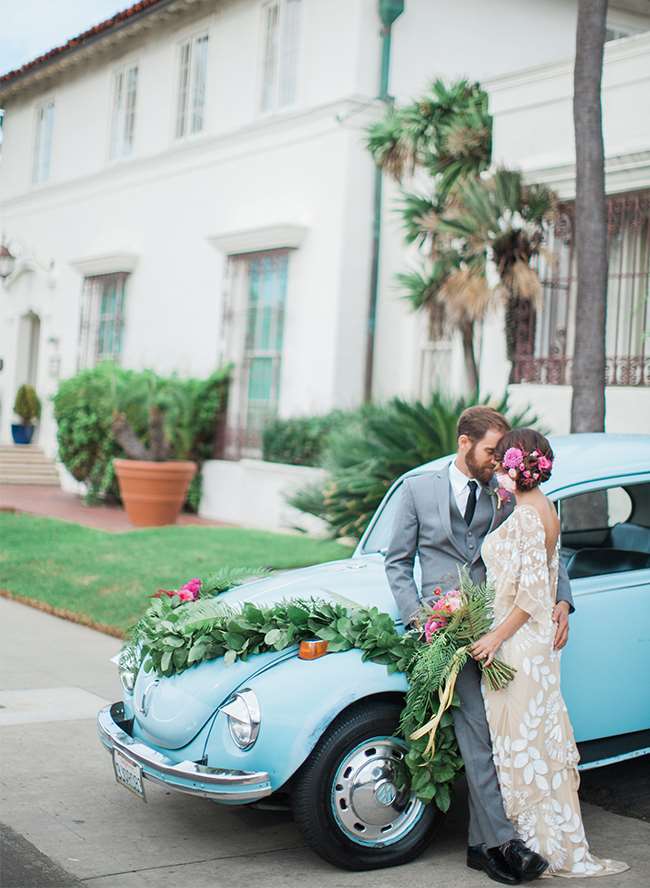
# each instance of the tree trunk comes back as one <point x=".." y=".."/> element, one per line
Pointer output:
<point x="471" y="367"/>
<point x="588" y="373"/>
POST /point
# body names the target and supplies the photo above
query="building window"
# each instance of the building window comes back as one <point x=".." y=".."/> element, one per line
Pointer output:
<point x="254" y="315"/>
<point x="192" y="79"/>
<point x="43" y="144"/>
<point x="123" y="123"/>
<point x="281" y="26"/>
<point x="435" y="352"/>
<point x="543" y="339"/>
<point x="102" y="319"/>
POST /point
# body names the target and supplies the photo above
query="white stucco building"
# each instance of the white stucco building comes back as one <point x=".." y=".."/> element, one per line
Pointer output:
<point x="188" y="184"/>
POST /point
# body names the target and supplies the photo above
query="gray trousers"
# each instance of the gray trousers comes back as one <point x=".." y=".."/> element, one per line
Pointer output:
<point x="487" y="820"/>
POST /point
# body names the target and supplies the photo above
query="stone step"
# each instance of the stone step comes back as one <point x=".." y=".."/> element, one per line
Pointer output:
<point x="26" y="464"/>
<point x="23" y="458"/>
<point x="28" y="468"/>
<point x="44" y="480"/>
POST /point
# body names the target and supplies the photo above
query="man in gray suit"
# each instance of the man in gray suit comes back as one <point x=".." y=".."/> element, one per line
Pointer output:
<point x="443" y="516"/>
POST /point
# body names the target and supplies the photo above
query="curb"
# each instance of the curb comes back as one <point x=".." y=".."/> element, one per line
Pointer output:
<point x="63" y="614"/>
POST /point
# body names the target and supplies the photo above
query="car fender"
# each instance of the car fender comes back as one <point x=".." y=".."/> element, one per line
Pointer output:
<point x="299" y="699"/>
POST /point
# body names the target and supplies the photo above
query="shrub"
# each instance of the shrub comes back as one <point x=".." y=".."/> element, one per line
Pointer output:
<point x="376" y="447"/>
<point x="85" y="407"/>
<point x="27" y="404"/>
<point x="300" y="441"/>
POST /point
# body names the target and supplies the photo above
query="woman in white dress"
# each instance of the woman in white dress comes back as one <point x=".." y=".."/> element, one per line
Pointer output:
<point x="534" y="748"/>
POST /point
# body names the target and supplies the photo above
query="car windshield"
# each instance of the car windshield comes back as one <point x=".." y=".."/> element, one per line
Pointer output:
<point x="379" y="536"/>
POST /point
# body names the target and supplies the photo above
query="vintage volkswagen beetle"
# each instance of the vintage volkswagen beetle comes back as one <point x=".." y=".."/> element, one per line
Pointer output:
<point x="321" y="730"/>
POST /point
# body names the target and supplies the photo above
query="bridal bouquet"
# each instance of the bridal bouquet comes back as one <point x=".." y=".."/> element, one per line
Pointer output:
<point x="456" y="620"/>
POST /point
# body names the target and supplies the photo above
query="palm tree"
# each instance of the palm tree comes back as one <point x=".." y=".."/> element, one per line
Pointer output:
<point x="475" y="228"/>
<point x="588" y="374"/>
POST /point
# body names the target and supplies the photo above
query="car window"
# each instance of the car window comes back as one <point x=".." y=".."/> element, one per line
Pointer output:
<point x="379" y="536"/>
<point x="606" y="531"/>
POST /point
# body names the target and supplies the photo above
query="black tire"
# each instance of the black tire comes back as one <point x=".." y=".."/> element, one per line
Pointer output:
<point x="314" y="806"/>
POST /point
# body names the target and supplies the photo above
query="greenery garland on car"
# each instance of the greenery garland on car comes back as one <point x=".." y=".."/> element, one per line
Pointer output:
<point x="178" y="631"/>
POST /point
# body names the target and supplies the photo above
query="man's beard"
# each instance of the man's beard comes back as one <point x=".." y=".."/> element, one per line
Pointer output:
<point x="481" y="473"/>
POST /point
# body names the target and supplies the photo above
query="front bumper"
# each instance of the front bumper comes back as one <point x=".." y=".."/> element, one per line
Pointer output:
<point x="220" y="784"/>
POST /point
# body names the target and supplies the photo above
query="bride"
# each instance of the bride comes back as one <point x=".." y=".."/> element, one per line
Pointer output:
<point x="533" y="744"/>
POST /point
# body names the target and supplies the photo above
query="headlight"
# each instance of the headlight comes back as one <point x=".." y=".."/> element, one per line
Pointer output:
<point x="127" y="666"/>
<point x="243" y="713"/>
<point x="127" y="677"/>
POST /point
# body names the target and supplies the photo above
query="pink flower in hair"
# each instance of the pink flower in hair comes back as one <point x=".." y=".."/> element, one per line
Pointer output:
<point x="506" y="483"/>
<point x="512" y="457"/>
<point x="544" y="463"/>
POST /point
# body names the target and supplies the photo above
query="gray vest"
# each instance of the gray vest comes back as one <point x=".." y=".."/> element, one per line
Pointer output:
<point x="470" y="538"/>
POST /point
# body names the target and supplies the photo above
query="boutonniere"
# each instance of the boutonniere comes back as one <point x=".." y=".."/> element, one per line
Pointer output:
<point x="501" y="495"/>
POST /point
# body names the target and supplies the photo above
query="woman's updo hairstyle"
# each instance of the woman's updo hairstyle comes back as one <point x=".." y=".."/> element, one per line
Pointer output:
<point x="526" y="456"/>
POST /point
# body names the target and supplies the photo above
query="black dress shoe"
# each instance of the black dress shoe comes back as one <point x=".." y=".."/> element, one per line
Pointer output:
<point x="492" y="862"/>
<point x="527" y="864"/>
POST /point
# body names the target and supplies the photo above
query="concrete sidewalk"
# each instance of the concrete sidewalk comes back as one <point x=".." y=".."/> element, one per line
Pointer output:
<point x="59" y="794"/>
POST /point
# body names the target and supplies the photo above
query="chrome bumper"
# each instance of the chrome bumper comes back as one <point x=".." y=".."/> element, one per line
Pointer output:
<point x="219" y="784"/>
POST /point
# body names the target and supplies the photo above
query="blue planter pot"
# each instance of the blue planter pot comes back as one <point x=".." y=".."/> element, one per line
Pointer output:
<point x="22" y="434"/>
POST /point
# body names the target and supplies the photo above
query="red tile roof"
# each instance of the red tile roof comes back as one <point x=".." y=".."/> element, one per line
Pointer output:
<point x="80" y="39"/>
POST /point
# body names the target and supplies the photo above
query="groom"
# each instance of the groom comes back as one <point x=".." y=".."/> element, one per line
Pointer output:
<point x="444" y="517"/>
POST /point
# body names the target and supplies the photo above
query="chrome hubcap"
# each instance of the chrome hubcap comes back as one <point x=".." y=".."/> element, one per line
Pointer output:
<point x="367" y="804"/>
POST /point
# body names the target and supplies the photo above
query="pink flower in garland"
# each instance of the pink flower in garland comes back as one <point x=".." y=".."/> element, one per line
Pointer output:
<point x="512" y="458"/>
<point x="189" y="591"/>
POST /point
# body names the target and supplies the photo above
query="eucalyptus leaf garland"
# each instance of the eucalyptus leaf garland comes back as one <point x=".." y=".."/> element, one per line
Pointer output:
<point x="174" y="635"/>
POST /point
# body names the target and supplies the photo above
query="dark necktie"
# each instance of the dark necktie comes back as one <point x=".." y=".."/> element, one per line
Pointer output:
<point x="471" y="502"/>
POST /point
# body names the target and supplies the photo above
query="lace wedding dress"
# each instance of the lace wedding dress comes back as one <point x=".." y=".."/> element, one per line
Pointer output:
<point x="534" y="748"/>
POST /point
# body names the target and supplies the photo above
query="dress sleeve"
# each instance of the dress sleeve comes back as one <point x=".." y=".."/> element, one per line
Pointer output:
<point x="532" y="592"/>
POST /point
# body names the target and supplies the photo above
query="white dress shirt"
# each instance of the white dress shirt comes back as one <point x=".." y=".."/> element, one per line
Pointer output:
<point x="459" y="486"/>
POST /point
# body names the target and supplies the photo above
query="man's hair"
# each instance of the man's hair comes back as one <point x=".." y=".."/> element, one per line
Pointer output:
<point x="475" y="422"/>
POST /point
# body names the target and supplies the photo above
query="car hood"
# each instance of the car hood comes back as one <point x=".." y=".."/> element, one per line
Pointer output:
<point x="171" y="711"/>
<point x="353" y="582"/>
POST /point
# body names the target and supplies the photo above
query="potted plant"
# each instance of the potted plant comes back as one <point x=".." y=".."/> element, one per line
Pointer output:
<point x="28" y="407"/>
<point x="153" y="482"/>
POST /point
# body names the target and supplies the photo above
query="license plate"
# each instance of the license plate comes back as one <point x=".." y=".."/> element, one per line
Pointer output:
<point x="128" y="773"/>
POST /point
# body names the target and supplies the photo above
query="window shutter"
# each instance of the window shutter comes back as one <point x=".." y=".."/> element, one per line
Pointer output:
<point x="183" y="89"/>
<point x="270" y="63"/>
<point x="290" y="46"/>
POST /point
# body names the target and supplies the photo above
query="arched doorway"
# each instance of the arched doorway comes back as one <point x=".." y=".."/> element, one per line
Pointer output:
<point x="29" y="338"/>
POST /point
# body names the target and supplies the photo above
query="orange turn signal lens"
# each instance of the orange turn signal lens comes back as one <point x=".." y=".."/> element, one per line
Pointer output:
<point x="312" y="649"/>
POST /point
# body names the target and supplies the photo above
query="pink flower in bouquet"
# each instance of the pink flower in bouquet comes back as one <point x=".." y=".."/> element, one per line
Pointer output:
<point x="512" y="457"/>
<point x="449" y="602"/>
<point x="432" y="626"/>
<point x="544" y="463"/>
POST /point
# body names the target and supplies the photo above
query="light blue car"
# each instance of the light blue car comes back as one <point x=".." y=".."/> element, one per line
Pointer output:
<point x="321" y="730"/>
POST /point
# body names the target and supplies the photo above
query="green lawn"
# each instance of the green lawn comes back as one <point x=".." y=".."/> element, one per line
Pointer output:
<point x="106" y="577"/>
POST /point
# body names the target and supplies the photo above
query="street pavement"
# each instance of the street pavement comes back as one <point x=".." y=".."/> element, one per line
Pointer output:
<point x="65" y="822"/>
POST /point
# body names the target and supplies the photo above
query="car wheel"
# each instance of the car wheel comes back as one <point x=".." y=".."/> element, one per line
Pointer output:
<point x="346" y="800"/>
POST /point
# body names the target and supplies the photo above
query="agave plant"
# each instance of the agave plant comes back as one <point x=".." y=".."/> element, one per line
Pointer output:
<point x="364" y="458"/>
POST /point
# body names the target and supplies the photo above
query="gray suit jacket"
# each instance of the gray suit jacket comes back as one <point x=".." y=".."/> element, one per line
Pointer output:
<point x="423" y="526"/>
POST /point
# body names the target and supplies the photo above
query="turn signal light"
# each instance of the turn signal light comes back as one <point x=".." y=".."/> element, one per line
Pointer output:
<point x="311" y="650"/>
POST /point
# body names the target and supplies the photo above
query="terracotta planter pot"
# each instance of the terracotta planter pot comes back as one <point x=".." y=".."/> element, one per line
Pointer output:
<point x="153" y="492"/>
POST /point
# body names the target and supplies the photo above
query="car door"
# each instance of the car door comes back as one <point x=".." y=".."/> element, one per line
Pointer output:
<point x="606" y="547"/>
